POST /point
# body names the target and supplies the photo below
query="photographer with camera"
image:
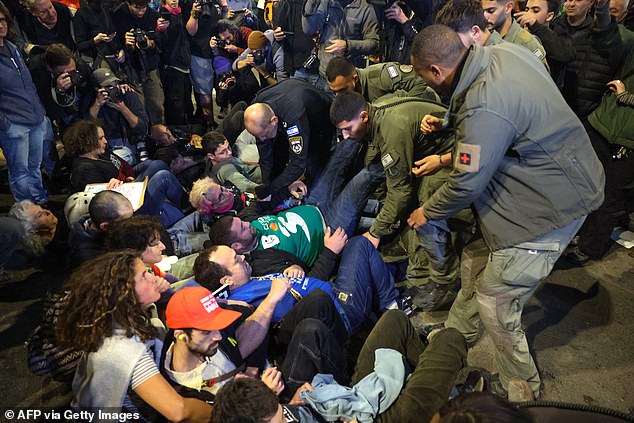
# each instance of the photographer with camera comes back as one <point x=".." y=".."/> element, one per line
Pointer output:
<point x="136" y="26"/>
<point x="121" y="111"/>
<point x="175" y="61"/>
<point x="63" y="85"/>
<point x="205" y="14"/>
<point x="265" y="55"/>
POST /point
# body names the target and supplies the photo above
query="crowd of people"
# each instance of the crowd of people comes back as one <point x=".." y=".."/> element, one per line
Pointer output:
<point x="371" y="160"/>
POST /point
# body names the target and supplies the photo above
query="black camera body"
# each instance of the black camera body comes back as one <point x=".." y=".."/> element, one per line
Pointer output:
<point x="76" y="78"/>
<point x="227" y="77"/>
<point x="140" y="38"/>
<point x="221" y="43"/>
<point x="211" y="3"/>
<point x="258" y="57"/>
<point x="115" y="94"/>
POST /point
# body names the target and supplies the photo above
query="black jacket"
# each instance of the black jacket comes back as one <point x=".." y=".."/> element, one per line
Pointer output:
<point x="174" y="43"/>
<point x="304" y="130"/>
<point x="36" y="33"/>
<point x="599" y="52"/>
<point x="271" y="260"/>
<point x="124" y="21"/>
<point x="89" y="21"/>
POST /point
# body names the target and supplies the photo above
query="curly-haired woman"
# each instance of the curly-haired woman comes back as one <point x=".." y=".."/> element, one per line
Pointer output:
<point x="112" y="326"/>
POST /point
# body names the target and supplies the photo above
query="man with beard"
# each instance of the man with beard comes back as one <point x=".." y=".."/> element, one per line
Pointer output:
<point x="211" y="344"/>
<point x="498" y="14"/>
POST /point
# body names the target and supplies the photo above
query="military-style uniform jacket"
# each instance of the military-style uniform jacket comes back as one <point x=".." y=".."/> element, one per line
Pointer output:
<point x="386" y="78"/>
<point x="520" y="36"/>
<point x="394" y="139"/>
<point x="522" y="159"/>
<point x="304" y="134"/>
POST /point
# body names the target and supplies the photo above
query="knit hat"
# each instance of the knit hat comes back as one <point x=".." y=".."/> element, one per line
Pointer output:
<point x="196" y="308"/>
<point x="257" y="40"/>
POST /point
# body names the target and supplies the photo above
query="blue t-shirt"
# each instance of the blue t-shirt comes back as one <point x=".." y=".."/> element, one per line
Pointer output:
<point x="254" y="291"/>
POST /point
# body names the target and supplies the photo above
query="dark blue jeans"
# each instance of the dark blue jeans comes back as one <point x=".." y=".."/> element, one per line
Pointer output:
<point x="162" y="185"/>
<point x="363" y="280"/>
<point x="341" y="203"/>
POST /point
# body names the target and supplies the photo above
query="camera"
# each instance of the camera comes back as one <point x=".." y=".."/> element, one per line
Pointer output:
<point x="76" y="78"/>
<point x="140" y="38"/>
<point x="165" y="14"/>
<point x="221" y="43"/>
<point x="310" y="60"/>
<point x="258" y="57"/>
<point x="227" y="77"/>
<point x="212" y="3"/>
<point x="115" y="94"/>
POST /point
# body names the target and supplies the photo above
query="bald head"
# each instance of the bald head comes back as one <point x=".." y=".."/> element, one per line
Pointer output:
<point x="109" y="206"/>
<point x="260" y="121"/>
<point x="436" y="53"/>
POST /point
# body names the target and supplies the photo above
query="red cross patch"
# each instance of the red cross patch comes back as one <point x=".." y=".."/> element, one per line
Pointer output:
<point x="467" y="157"/>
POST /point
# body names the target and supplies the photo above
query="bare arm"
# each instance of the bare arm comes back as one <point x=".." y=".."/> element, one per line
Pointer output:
<point x="161" y="396"/>
<point x="252" y="332"/>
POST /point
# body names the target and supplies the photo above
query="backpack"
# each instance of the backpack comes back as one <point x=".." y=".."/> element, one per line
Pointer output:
<point x="45" y="357"/>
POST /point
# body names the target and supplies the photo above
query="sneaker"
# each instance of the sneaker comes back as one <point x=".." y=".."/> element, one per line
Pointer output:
<point x="404" y="303"/>
<point x="426" y="331"/>
<point x="434" y="296"/>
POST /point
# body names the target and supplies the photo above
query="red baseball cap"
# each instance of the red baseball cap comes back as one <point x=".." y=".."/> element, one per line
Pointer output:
<point x="196" y="308"/>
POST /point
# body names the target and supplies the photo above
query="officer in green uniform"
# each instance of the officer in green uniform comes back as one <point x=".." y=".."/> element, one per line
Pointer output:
<point x="377" y="80"/>
<point x="498" y="14"/>
<point x="391" y="129"/>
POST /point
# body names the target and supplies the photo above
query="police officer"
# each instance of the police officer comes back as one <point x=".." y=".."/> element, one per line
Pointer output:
<point x="377" y="80"/>
<point x="390" y="128"/>
<point x="293" y="135"/>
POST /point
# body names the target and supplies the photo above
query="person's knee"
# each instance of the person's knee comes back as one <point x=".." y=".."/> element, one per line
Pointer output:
<point x="393" y="319"/>
<point x="310" y="332"/>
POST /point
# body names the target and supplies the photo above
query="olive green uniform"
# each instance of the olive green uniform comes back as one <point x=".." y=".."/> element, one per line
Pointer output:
<point x="520" y="36"/>
<point x="386" y="78"/>
<point x="394" y="139"/>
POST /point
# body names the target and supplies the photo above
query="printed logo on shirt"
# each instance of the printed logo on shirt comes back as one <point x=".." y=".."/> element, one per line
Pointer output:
<point x="297" y="144"/>
<point x="537" y="52"/>
<point x="288" y="415"/>
<point x="468" y="158"/>
<point x="209" y="303"/>
<point x="269" y="241"/>
<point x="293" y="130"/>
<point x="392" y="71"/>
<point x="406" y="68"/>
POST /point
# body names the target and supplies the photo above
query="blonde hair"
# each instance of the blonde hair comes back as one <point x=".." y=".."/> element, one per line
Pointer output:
<point x="197" y="195"/>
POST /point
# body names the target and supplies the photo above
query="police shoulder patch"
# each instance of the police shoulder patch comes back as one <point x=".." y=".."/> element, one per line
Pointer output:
<point x="392" y="71"/>
<point x="293" y="130"/>
<point x="406" y="68"/>
<point x="296" y="144"/>
<point x="467" y="158"/>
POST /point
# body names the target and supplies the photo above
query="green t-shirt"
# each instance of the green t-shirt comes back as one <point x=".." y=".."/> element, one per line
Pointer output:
<point x="299" y="230"/>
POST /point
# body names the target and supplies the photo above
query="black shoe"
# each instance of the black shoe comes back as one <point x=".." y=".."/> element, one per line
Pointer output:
<point x="469" y="379"/>
<point x="426" y="329"/>
<point x="576" y="257"/>
<point x="434" y="296"/>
